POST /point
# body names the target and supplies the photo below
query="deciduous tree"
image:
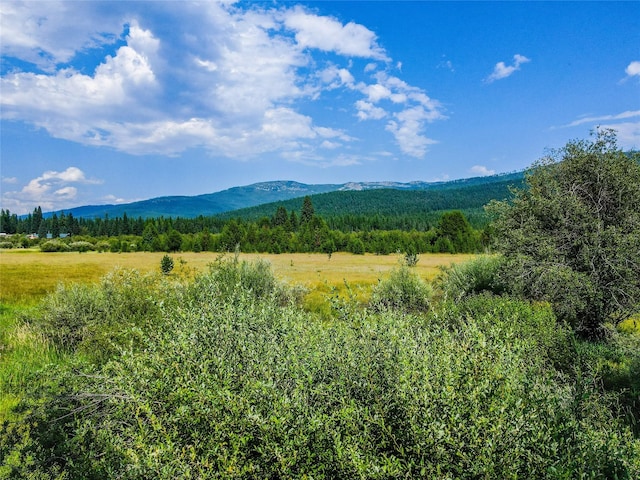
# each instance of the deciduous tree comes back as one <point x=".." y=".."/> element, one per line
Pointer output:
<point x="572" y="236"/>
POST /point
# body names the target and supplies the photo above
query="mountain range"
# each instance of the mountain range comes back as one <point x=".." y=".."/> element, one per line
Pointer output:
<point x="256" y="194"/>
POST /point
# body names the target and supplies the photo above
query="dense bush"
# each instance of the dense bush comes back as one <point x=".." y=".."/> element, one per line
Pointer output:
<point x="571" y="237"/>
<point x="229" y="381"/>
<point x="54" y="246"/>
<point x="81" y="246"/>
<point x="482" y="274"/>
<point x="98" y="320"/>
<point x="404" y="290"/>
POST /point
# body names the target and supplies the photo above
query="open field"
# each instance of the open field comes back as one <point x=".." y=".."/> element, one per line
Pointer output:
<point x="27" y="275"/>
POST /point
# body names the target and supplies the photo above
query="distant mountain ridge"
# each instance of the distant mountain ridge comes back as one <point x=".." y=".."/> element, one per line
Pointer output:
<point x="256" y="194"/>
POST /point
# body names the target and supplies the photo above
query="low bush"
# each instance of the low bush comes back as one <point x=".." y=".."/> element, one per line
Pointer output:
<point x="81" y="246"/>
<point x="54" y="246"/>
<point x="97" y="319"/>
<point x="6" y="245"/>
<point x="404" y="290"/>
<point x="481" y="274"/>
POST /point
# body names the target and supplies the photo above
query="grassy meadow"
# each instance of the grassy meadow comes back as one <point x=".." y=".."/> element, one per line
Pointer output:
<point x="27" y="275"/>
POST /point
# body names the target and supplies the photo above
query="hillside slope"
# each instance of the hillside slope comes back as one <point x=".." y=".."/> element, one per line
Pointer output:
<point x="237" y="199"/>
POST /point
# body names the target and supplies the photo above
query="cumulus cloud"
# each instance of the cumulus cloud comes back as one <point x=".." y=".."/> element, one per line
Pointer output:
<point x="407" y="130"/>
<point x="41" y="33"/>
<point x="501" y="70"/>
<point x="368" y="111"/>
<point x="330" y="35"/>
<point x="481" y="170"/>
<point x="235" y="83"/>
<point x="51" y="190"/>
<point x="633" y="69"/>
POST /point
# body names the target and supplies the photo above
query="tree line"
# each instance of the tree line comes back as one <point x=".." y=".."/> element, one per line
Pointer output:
<point x="284" y="231"/>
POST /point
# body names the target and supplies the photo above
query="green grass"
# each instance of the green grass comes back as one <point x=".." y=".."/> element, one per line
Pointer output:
<point x="24" y="352"/>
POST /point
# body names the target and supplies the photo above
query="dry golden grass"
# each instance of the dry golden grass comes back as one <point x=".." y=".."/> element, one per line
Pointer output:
<point x="26" y="275"/>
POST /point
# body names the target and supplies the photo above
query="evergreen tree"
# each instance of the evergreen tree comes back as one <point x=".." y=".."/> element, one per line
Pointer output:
<point x="37" y="220"/>
<point x="42" y="229"/>
<point x="174" y="241"/>
<point x="280" y="218"/>
<point x="308" y="212"/>
<point x="55" y="226"/>
<point x="293" y="221"/>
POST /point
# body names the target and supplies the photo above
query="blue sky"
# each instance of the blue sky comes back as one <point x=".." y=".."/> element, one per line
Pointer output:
<point x="112" y="102"/>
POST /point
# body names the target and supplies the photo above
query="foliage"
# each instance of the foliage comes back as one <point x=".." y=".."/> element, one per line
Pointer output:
<point x="402" y="290"/>
<point x="54" y="246"/>
<point x="95" y="320"/>
<point x="230" y="382"/>
<point x="479" y="275"/>
<point x="455" y="233"/>
<point x="166" y="264"/>
<point x="572" y="236"/>
<point x="81" y="246"/>
<point x="411" y="259"/>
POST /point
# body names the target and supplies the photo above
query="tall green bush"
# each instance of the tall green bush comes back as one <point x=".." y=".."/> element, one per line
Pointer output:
<point x="571" y="236"/>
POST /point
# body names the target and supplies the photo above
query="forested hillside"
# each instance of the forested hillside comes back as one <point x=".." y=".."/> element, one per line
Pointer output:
<point x="389" y="209"/>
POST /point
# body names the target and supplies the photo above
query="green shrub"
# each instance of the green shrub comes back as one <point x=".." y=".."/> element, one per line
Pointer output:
<point x="81" y="246"/>
<point x="97" y="319"/>
<point x="403" y="290"/>
<point x="228" y="277"/>
<point x="166" y="265"/>
<point x="54" y="246"/>
<point x="481" y="274"/>
<point x="6" y="245"/>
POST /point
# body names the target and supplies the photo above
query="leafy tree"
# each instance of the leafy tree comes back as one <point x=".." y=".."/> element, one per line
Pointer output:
<point x="573" y="236"/>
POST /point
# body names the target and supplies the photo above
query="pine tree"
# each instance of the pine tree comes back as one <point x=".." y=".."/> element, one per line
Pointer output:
<point x="308" y="212"/>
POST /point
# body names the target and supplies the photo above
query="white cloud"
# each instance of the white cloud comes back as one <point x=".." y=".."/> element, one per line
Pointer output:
<point x="367" y="111"/>
<point x="604" y="118"/>
<point x="481" y="170"/>
<point x="627" y="133"/>
<point x="407" y="131"/>
<point x="235" y="82"/>
<point x="113" y="199"/>
<point x="41" y="32"/>
<point x="10" y="180"/>
<point x="633" y="69"/>
<point x="52" y="191"/>
<point x="501" y="70"/>
<point x="330" y="35"/>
